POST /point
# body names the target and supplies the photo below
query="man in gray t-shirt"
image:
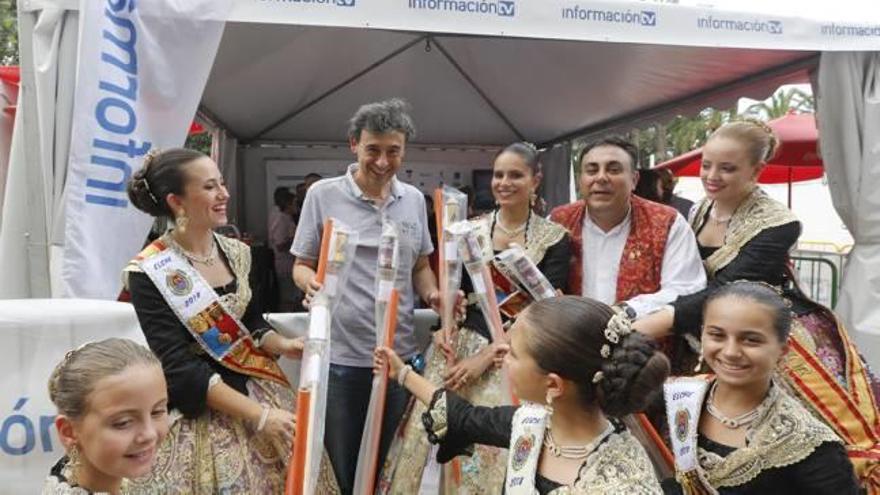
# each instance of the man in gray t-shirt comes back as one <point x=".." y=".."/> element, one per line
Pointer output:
<point x="368" y="193"/>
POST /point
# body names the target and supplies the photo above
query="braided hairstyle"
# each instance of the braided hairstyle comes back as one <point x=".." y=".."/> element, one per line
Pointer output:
<point x="756" y="135"/>
<point x="567" y="337"/>
<point x="163" y="173"/>
<point x="74" y="378"/>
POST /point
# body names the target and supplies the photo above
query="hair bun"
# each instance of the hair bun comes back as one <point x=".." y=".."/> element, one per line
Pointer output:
<point x="632" y="375"/>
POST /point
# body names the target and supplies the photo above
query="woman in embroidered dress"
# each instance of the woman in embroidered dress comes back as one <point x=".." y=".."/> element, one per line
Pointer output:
<point x="743" y="234"/>
<point x="577" y="366"/>
<point x="746" y="433"/>
<point x="231" y="406"/>
<point x="515" y="179"/>
<point x="112" y="416"/>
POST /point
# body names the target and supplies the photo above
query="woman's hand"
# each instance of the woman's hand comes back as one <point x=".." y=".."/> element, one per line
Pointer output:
<point x="446" y="348"/>
<point x="279" y="428"/>
<point x="384" y="356"/>
<point x="291" y="348"/>
<point x="498" y="353"/>
<point x="469" y="369"/>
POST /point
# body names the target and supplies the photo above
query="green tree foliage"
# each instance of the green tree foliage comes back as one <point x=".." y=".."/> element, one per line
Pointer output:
<point x="200" y="142"/>
<point x="8" y="32"/>
<point x="782" y="103"/>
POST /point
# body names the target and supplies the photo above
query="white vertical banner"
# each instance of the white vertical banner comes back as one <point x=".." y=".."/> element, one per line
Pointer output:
<point x="141" y="72"/>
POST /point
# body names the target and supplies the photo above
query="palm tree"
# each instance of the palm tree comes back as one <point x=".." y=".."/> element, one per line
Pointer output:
<point x="783" y="103"/>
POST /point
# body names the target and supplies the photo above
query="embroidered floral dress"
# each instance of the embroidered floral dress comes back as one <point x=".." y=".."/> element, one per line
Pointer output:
<point x="207" y="451"/>
<point x="788" y="452"/>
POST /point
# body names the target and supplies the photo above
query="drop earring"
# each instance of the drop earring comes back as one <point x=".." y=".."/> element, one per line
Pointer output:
<point x="699" y="366"/>
<point x="181" y="221"/>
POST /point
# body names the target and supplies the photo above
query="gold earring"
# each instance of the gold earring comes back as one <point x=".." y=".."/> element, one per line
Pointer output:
<point x="73" y="461"/>
<point x="699" y="366"/>
<point x="181" y="221"/>
<point x="533" y="198"/>
<point x="549" y="405"/>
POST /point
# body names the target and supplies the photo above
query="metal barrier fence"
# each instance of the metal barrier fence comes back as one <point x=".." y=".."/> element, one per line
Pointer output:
<point x="818" y="272"/>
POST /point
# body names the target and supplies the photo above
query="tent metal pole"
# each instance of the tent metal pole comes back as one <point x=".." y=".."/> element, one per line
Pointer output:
<point x="479" y="90"/>
<point x="332" y="90"/>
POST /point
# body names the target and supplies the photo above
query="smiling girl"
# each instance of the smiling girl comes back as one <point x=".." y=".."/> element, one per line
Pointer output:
<point x="739" y="431"/>
<point x="112" y="415"/>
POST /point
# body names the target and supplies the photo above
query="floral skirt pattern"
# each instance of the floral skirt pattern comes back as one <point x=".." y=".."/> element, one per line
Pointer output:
<point x="216" y="453"/>
<point x="481" y="473"/>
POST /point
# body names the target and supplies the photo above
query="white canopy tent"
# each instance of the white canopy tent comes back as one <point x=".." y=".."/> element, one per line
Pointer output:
<point x="478" y="73"/>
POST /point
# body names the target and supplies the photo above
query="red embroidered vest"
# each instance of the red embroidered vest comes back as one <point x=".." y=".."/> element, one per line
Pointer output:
<point x="641" y="263"/>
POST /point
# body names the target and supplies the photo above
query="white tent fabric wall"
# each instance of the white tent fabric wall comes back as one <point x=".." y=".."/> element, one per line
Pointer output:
<point x="38" y="156"/>
<point x="8" y="98"/>
<point x="849" y="133"/>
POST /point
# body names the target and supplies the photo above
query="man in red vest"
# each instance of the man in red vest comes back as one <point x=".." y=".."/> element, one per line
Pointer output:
<point x="626" y="250"/>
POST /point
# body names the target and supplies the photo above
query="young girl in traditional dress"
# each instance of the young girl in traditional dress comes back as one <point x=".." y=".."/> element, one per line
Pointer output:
<point x="576" y="366"/>
<point x="740" y="431"/>
<point x="516" y="175"/>
<point x="112" y="416"/>
<point x="743" y="234"/>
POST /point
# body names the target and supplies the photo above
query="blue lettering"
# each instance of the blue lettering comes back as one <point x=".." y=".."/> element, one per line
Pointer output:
<point x="46" y="423"/>
<point x="120" y="165"/>
<point x="127" y="47"/>
<point x="25" y="424"/>
<point x="103" y="119"/>
<point x="132" y="149"/>
<point x="117" y="6"/>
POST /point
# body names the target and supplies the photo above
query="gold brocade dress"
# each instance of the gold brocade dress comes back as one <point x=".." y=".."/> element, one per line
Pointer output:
<point x="823" y="368"/>
<point x="211" y="452"/>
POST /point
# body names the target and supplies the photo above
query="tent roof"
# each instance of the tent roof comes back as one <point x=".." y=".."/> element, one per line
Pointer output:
<point x="301" y="83"/>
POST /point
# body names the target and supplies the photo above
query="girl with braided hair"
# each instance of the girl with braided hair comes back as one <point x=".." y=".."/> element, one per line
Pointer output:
<point x="112" y="416"/>
<point x="743" y="234"/>
<point x="516" y="175"/>
<point x="576" y="366"/>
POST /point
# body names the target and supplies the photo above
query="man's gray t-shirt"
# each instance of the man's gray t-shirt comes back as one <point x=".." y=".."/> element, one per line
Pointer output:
<point x="353" y="330"/>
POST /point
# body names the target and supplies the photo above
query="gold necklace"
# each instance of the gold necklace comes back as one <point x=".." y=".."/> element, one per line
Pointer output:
<point x="195" y="258"/>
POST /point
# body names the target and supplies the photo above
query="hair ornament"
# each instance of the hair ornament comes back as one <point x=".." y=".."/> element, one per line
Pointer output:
<point x="151" y="155"/>
<point x="149" y="191"/>
<point x="69" y="354"/>
<point x="618" y="326"/>
<point x="598" y="376"/>
<point x="759" y="123"/>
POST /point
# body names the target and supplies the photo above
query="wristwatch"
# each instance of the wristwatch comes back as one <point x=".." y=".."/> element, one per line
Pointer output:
<point x="627" y="310"/>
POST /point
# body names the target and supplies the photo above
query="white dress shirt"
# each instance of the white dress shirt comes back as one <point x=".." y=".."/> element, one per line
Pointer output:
<point x="682" y="272"/>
